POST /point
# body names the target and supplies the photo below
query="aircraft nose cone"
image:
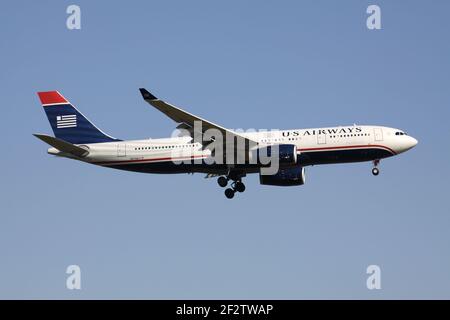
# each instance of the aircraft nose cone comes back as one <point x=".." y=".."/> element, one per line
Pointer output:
<point x="404" y="143"/>
<point x="413" y="142"/>
<point x="409" y="143"/>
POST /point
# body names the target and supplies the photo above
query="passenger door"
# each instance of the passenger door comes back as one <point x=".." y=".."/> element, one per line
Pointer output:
<point x="378" y="134"/>
<point x="321" y="138"/>
<point x="121" y="150"/>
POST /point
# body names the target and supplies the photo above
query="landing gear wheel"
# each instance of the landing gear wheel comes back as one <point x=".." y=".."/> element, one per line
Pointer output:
<point x="222" y="181"/>
<point x="229" y="193"/>
<point x="239" y="186"/>
<point x="375" y="171"/>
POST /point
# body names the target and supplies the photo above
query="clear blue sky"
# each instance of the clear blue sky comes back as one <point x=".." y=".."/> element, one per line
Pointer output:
<point x="243" y="64"/>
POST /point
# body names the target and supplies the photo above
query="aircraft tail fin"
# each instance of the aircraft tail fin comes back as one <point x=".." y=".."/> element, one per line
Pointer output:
<point x="68" y="123"/>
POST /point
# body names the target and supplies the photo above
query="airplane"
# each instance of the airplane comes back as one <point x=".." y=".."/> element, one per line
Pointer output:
<point x="78" y="138"/>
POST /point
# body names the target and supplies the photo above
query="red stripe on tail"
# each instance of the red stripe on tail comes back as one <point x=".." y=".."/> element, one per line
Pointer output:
<point x="50" y="97"/>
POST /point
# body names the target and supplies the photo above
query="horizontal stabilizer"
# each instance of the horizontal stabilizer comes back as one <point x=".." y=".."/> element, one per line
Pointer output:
<point x="62" y="145"/>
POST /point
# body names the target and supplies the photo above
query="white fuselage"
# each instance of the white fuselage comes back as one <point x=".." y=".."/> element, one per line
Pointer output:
<point x="314" y="146"/>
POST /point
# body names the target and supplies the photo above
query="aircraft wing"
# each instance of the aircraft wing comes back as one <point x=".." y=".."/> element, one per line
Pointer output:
<point x="186" y="120"/>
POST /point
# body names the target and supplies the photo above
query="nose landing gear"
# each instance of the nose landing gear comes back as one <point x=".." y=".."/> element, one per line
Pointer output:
<point x="375" y="170"/>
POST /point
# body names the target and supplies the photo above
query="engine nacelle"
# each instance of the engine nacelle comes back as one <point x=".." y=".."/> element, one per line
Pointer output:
<point x="286" y="154"/>
<point x="294" y="176"/>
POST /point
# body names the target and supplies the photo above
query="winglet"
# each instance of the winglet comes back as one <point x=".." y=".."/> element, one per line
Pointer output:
<point x="147" y="95"/>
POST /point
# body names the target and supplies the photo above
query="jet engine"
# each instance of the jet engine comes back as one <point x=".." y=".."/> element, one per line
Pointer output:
<point x="293" y="176"/>
<point x="287" y="154"/>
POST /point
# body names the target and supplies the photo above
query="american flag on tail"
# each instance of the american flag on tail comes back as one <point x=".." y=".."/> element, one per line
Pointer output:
<point x="67" y="121"/>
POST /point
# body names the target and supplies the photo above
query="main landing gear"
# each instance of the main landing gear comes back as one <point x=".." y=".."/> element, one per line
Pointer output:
<point x="236" y="186"/>
<point x="375" y="170"/>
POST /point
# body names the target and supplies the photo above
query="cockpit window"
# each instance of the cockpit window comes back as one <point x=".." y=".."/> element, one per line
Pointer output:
<point x="399" y="133"/>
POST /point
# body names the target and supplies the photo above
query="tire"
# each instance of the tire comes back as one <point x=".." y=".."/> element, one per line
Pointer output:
<point x="240" y="187"/>
<point x="222" y="181"/>
<point x="229" y="193"/>
<point x="375" y="171"/>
